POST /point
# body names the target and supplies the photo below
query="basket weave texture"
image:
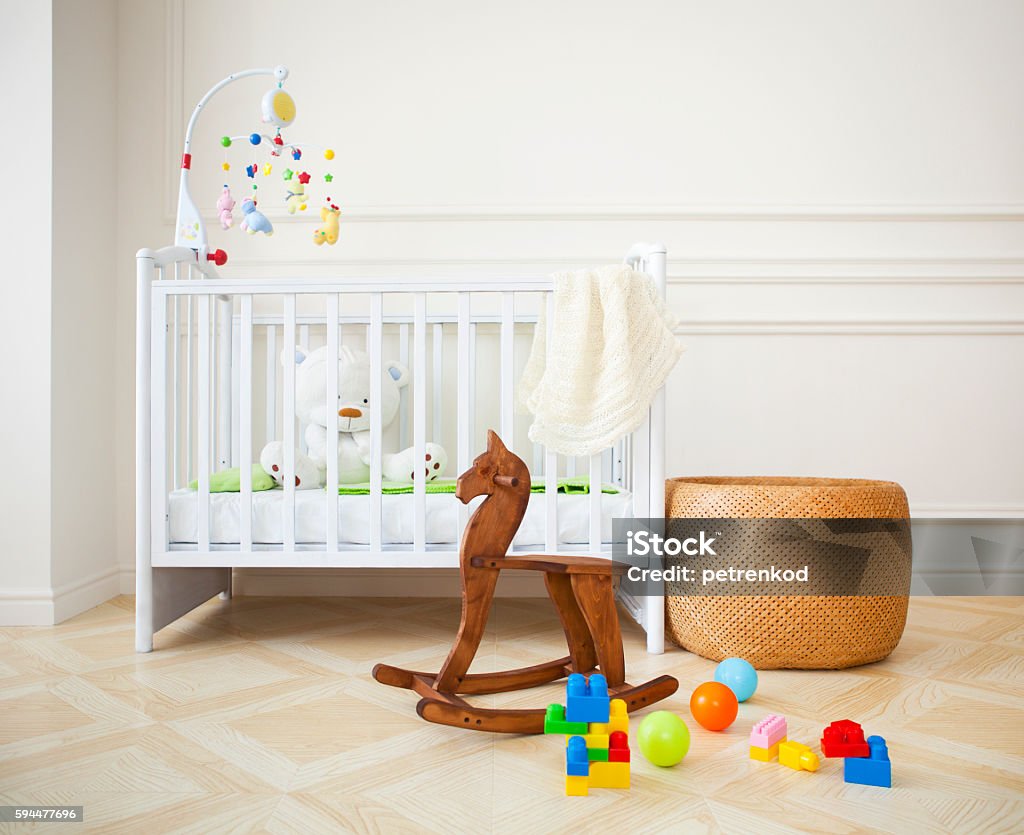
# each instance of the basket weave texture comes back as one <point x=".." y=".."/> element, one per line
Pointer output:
<point x="797" y="632"/>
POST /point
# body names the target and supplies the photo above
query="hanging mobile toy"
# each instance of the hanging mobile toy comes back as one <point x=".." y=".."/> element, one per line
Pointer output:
<point x="328" y="231"/>
<point x="277" y="111"/>
<point x="296" y="195"/>
<point x="254" y="220"/>
<point x="224" y="206"/>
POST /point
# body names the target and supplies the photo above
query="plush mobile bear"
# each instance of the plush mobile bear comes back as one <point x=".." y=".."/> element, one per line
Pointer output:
<point x="354" y="410"/>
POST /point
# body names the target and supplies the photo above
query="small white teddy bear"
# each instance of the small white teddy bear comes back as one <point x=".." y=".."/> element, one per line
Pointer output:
<point x="354" y="410"/>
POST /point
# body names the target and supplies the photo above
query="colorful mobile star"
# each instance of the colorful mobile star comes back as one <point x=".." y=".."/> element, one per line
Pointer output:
<point x="328" y="178"/>
<point x="287" y="174"/>
<point x="266" y="169"/>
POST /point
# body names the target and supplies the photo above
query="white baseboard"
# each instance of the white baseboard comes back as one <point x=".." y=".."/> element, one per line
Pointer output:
<point x="46" y="606"/>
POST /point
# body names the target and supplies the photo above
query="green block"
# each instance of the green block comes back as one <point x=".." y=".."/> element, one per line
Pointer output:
<point x="597" y="755"/>
<point x="554" y="723"/>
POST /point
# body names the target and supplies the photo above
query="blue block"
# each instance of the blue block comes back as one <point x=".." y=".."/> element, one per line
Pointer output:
<point x="577" y="763"/>
<point x="587" y="701"/>
<point x="875" y="770"/>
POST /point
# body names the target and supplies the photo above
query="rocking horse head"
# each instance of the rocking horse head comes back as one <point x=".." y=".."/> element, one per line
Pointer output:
<point x="496" y="468"/>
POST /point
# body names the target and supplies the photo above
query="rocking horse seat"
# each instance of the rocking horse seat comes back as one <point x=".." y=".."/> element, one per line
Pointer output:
<point x="551" y="564"/>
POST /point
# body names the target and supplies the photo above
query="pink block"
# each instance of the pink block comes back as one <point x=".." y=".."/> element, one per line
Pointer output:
<point x="768" y="731"/>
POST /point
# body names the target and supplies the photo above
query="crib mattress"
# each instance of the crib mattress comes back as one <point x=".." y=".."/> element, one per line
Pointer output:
<point x="397" y="518"/>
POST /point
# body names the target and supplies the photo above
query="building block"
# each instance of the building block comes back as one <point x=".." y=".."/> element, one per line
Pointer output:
<point x="875" y="770"/>
<point x="597" y="755"/>
<point x="592" y="740"/>
<point x="618" y="719"/>
<point x="554" y="722"/>
<point x="576" y="786"/>
<point x="618" y="747"/>
<point x="844" y="738"/>
<point x="797" y="756"/>
<point x="576" y="762"/>
<point x="764" y="755"/>
<point x="587" y="700"/>
<point x="768" y="731"/>
<point x="609" y="775"/>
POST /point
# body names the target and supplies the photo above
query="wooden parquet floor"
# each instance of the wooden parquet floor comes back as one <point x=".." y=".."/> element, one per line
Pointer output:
<point x="260" y="715"/>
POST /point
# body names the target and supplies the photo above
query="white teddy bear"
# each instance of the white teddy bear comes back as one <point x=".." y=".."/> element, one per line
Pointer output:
<point x="354" y="410"/>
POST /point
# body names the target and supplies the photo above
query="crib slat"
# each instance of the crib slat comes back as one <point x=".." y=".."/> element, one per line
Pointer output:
<point x="203" y="464"/>
<point x="508" y="312"/>
<point x="436" y="384"/>
<point x="550" y="461"/>
<point x="175" y="410"/>
<point x="304" y="342"/>
<point x="462" y="443"/>
<point x="271" y="369"/>
<point x="376" y="337"/>
<point x="595" y="504"/>
<point x="472" y="383"/>
<point x="189" y="452"/>
<point x="288" y="418"/>
<point x="223" y="381"/>
<point x="332" y="423"/>
<point x="403" y="403"/>
<point x="235" y="395"/>
<point x="419" y="418"/>
<point x="245" y="421"/>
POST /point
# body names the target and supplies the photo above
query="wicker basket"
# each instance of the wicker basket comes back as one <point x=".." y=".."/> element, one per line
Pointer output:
<point x="801" y="632"/>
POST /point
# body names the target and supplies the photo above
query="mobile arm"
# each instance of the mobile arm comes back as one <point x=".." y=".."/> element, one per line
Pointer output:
<point x="190" y="231"/>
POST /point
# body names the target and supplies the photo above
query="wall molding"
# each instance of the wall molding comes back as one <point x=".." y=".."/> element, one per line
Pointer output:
<point x="699" y="270"/>
<point x="176" y="117"/>
<point x="874" y="327"/>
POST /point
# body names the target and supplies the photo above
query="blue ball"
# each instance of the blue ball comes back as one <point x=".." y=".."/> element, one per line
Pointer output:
<point x="255" y="139"/>
<point x="739" y="676"/>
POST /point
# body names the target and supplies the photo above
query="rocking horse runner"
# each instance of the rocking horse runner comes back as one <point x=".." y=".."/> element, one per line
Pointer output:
<point x="580" y="587"/>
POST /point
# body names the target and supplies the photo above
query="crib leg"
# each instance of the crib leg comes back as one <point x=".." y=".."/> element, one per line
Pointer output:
<point x="655" y="623"/>
<point x="228" y="589"/>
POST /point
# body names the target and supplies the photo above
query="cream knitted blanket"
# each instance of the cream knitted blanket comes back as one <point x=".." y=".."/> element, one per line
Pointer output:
<point x="611" y="349"/>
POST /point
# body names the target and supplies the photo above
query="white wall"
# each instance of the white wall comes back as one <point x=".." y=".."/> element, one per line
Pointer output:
<point x="56" y="319"/>
<point x="25" y="319"/>
<point x="840" y="186"/>
<point x="85" y="172"/>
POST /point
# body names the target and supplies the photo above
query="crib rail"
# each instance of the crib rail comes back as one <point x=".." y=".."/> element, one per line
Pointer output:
<point x="212" y="391"/>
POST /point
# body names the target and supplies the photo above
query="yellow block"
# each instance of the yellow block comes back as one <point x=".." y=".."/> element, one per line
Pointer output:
<point x="575" y="786"/>
<point x="797" y="756"/>
<point x="609" y="775"/>
<point x="593" y="740"/>
<point x="764" y="755"/>
<point x="618" y="720"/>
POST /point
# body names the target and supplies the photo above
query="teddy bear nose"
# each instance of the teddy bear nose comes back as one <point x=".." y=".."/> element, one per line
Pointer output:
<point x="349" y="412"/>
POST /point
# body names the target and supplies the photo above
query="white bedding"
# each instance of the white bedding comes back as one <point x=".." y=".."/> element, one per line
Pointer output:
<point x="396" y="517"/>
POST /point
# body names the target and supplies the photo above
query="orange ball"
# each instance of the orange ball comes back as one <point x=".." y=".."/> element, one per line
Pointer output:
<point x="714" y="705"/>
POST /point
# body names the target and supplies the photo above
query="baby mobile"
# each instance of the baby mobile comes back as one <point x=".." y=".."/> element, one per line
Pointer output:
<point x="278" y="111"/>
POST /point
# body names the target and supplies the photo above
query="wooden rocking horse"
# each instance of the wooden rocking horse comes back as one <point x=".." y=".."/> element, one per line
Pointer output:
<point x="580" y="587"/>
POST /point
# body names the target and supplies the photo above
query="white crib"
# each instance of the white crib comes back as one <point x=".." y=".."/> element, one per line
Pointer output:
<point x="208" y="380"/>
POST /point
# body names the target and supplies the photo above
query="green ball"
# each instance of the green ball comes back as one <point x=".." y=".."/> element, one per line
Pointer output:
<point x="225" y="141"/>
<point x="664" y="738"/>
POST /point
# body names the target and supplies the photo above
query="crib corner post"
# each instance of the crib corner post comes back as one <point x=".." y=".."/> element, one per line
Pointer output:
<point x="145" y="272"/>
<point x="655" y="615"/>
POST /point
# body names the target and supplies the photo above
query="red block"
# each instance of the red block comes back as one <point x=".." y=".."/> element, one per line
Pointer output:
<point x="618" y="747"/>
<point x="844" y="738"/>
